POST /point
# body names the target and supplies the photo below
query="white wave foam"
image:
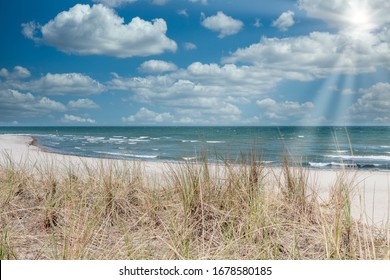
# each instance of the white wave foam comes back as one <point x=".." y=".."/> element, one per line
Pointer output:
<point x="190" y="141"/>
<point x="93" y="139"/>
<point x="382" y="158"/>
<point x="341" y="151"/>
<point x="301" y="136"/>
<point x="189" y="158"/>
<point x="139" y="140"/>
<point x="126" y="155"/>
<point x="215" y="142"/>
<point x="353" y="165"/>
<point x="318" y="164"/>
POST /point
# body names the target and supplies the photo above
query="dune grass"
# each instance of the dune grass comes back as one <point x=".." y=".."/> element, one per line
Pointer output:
<point x="116" y="210"/>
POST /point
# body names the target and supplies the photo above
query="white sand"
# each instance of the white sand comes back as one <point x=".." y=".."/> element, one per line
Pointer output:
<point x="371" y="194"/>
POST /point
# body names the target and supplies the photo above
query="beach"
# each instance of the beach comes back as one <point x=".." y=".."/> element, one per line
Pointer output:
<point x="330" y="205"/>
<point x="370" y="195"/>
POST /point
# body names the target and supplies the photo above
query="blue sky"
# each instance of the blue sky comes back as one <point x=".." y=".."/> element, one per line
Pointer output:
<point x="195" y="62"/>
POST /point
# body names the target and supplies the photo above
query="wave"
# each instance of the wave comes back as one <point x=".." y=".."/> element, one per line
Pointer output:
<point x="345" y="165"/>
<point x="139" y="140"/>
<point x="380" y="158"/>
<point x="93" y="139"/>
<point x="189" y="158"/>
<point x="127" y="155"/>
<point x="319" y="164"/>
<point x="190" y="141"/>
<point x="215" y="142"/>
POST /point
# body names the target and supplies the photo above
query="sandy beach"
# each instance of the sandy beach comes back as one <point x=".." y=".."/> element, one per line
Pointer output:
<point x="370" y="194"/>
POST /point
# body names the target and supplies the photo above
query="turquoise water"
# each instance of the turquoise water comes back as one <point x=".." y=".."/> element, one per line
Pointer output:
<point x="317" y="147"/>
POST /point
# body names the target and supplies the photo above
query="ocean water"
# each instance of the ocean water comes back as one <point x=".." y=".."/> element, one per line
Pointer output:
<point x="316" y="147"/>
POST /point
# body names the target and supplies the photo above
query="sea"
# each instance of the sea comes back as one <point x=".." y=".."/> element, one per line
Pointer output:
<point x="313" y="147"/>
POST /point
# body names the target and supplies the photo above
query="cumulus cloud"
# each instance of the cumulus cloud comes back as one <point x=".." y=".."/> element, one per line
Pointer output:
<point x="285" y="21"/>
<point x="114" y="3"/>
<point x="373" y="106"/>
<point x="83" y="103"/>
<point x="284" y="111"/>
<point x="118" y="3"/>
<point x="225" y="25"/>
<point x="206" y="93"/>
<point x="345" y="14"/>
<point x="69" y="83"/>
<point x="19" y="72"/>
<point x="190" y="46"/>
<point x="157" y="66"/>
<point x="59" y="84"/>
<point x="257" y="23"/>
<point x="316" y="55"/>
<point x="98" y="30"/>
<point x="160" y="2"/>
<point x="147" y="116"/>
<point x="198" y="80"/>
<point x="204" y="2"/>
<point x="77" y="119"/>
<point x="16" y="104"/>
<point x="183" y="12"/>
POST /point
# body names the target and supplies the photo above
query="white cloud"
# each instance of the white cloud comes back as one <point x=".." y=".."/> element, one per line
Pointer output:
<point x="83" y="103"/>
<point x="114" y="3"/>
<point x="146" y="116"/>
<point x="206" y="93"/>
<point x="77" y="119"/>
<point x="98" y="30"/>
<point x="183" y="12"/>
<point x="257" y="23"/>
<point x="117" y="3"/>
<point x="347" y="91"/>
<point x="19" y="72"/>
<point x="58" y="84"/>
<point x="316" y="56"/>
<point x="189" y="46"/>
<point x="204" y="2"/>
<point x="284" y="111"/>
<point x="160" y="2"/>
<point x="157" y="66"/>
<point x="360" y="14"/>
<point x="285" y="21"/>
<point x="30" y="29"/>
<point x="199" y="80"/>
<point x="225" y="25"/>
<point x="16" y="104"/>
<point x="66" y="84"/>
<point x="373" y="106"/>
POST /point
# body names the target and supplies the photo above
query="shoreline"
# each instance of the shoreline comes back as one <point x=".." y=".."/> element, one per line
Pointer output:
<point x="372" y="187"/>
<point x="342" y="167"/>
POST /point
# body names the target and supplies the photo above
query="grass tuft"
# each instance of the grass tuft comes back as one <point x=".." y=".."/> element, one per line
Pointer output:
<point x="195" y="210"/>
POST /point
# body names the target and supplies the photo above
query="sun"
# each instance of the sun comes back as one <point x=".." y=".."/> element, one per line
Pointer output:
<point x="358" y="18"/>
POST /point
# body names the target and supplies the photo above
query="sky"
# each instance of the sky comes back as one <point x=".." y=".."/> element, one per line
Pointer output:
<point x="194" y="62"/>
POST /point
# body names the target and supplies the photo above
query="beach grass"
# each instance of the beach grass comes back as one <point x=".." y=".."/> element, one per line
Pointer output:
<point x="194" y="210"/>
